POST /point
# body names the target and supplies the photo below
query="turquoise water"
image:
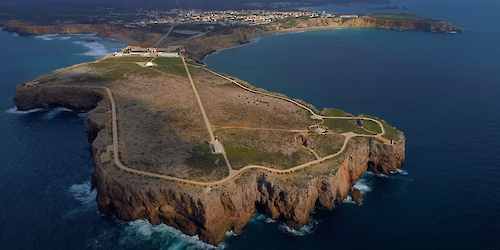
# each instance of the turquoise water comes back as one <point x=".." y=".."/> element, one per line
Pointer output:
<point x="442" y="90"/>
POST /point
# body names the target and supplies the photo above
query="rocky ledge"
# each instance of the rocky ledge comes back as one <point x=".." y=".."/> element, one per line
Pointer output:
<point x="210" y="212"/>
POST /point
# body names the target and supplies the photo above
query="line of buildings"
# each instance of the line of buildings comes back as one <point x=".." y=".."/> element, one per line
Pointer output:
<point x="149" y="52"/>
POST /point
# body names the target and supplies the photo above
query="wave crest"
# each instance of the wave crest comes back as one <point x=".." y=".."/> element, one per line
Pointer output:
<point x="83" y="192"/>
<point x="16" y="111"/>
<point x="304" y="230"/>
<point x="141" y="231"/>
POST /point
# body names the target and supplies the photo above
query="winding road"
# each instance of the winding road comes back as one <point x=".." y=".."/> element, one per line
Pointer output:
<point x="232" y="173"/>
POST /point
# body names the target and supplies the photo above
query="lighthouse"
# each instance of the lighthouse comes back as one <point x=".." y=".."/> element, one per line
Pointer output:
<point x="217" y="147"/>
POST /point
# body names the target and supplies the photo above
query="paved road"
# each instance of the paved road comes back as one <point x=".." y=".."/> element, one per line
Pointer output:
<point x="165" y="36"/>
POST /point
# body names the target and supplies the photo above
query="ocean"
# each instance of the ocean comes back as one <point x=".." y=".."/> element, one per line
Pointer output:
<point x="442" y="90"/>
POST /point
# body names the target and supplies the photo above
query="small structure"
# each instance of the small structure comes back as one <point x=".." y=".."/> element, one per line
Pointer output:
<point x="149" y="64"/>
<point x="349" y="16"/>
<point x="317" y="129"/>
<point x="217" y="147"/>
<point x="168" y="54"/>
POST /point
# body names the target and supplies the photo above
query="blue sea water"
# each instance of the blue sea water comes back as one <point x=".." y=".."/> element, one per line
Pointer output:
<point x="442" y="90"/>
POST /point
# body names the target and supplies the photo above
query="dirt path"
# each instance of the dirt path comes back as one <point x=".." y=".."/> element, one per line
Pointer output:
<point x="232" y="173"/>
<point x="165" y="36"/>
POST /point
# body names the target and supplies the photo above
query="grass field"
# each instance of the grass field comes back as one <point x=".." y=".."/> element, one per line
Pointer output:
<point x="372" y="126"/>
<point x="343" y="125"/>
<point x="114" y="68"/>
<point x="266" y="148"/>
<point x="391" y="132"/>
<point x="334" y="112"/>
<point x="114" y="71"/>
<point x="175" y="64"/>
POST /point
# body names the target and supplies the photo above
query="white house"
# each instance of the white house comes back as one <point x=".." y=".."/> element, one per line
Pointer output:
<point x="168" y="54"/>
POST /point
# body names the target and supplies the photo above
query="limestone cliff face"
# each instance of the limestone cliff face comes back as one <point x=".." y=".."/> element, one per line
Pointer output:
<point x="25" y="29"/>
<point x="201" y="47"/>
<point x="211" y="211"/>
<point x="48" y="97"/>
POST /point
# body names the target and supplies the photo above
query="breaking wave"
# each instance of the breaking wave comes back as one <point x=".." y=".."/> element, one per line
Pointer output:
<point x="95" y="49"/>
<point x="363" y="185"/>
<point x="258" y="217"/>
<point x="304" y="230"/>
<point x="15" y="111"/>
<point x="54" y="112"/>
<point x="269" y="221"/>
<point x="53" y="37"/>
<point x="402" y="172"/>
<point x="47" y="37"/>
<point x="161" y="236"/>
<point x="83" y="192"/>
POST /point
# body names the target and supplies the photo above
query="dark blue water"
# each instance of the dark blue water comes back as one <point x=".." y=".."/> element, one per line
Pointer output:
<point x="442" y="90"/>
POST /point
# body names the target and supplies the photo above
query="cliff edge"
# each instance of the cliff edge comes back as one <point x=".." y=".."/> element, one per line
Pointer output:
<point x="210" y="210"/>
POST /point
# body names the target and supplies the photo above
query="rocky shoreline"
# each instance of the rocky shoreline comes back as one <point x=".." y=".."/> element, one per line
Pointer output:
<point x="210" y="212"/>
<point x="199" y="48"/>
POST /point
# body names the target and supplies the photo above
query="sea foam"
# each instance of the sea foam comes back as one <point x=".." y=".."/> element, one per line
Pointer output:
<point x="15" y="111"/>
<point x="163" y="236"/>
<point x="54" y="112"/>
<point x="304" y="230"/>
<point x="363" y="185"/>
<point x="95" y="49"/>
<point x="83" y="192"/>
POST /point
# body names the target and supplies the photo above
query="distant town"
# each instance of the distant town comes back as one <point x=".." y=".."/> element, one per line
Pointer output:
<point x="221" y="17"/>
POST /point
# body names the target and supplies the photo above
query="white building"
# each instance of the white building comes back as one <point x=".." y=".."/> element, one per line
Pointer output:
<point x="168" y="54"/>
<point x="149" y="64"/>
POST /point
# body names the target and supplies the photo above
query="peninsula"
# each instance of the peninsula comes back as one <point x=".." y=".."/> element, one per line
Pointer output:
<point x="180" y="144"/>
<point x="175" y="142"/>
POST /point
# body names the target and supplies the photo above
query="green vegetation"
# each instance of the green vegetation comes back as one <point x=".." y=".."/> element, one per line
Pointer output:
<point x="403" y="17"/>
<point x="344" y="125"/>
<point x="243" y="156"/>
<point x="266" y="148"/>
<point x="391" y="132"/>
<point x="325" y="145"/>
<point x="286" y="23"/>
<point x="334" y="112"/>
<point x="146" y="71"/>
<point x="202" y="162"/>
<point x="372" y="126"/>
<point x="171" y="66"/>
<point x="127" y="59"/>
<point x="113" y="71"/>
<point x="115" y="68"/>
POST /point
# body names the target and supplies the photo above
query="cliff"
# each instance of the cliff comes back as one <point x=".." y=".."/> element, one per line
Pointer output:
<point x="212" y="211"/>
<point x="131" y="36"/>
<point x="199" y="48"/>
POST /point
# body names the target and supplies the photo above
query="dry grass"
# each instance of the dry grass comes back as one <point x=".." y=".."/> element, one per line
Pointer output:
<point x="161" y="129"/>
<point x="229" y="105"/>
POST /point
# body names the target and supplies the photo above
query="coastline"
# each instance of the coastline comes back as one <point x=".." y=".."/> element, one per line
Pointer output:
<point x="216" y="213"/>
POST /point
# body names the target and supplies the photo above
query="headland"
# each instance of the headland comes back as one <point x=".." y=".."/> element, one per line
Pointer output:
<point x="177" y="143"/>
<point x="180" y="144"/>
